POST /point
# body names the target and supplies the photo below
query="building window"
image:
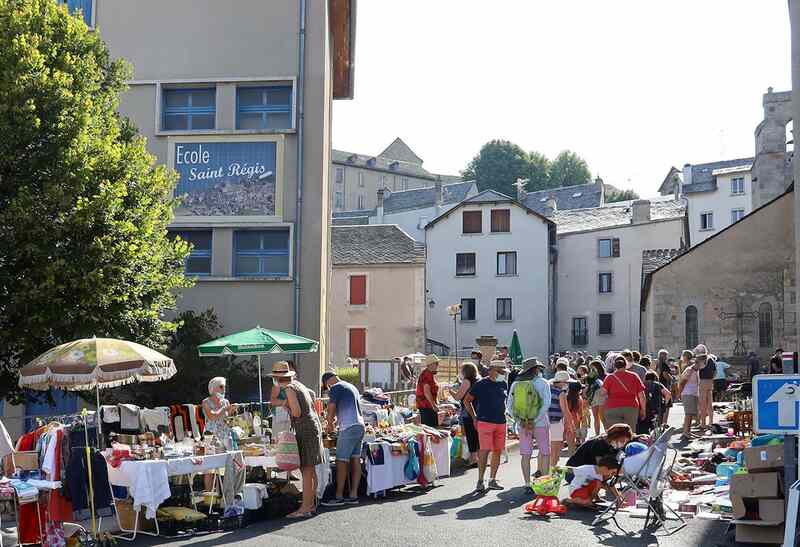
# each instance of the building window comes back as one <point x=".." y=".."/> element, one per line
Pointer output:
<point x="736" y="215"/>
<point x="360" y="205"/>
<point x="765" y="325"/>
<point x="691" y="327"/>
<point x="338" y="200"/>
<point x="580" y="331"/>
<point x="357" y="339"/>
<point x="501" y="220"/>
<point x="737" y="186"/>
<point x="507" y="263"/>
<point x="608" y="248"/>
<point x="189" y="109"/>
<point x="339" y="175"/>
<point x="84" y="6"/>
<point x="358" y="290"/>
<point x="605" y="323"/>
<point x="604" y="282"/>
<point x="465" y="264"/>
<point x="199" y="260"/>
<point x="360" y="179"/>
<point x="404" y="183"/>
<point x="707" y="221"/>
<point x="504" y="309"/>
<point x="383" y="184"/>
<point x="471" y="222"/>
<point x="264" y="107"/>
<point x="468" y="309"/>
<point x="261" y="253"/>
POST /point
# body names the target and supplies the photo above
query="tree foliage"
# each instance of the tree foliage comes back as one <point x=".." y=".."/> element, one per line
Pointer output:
<point x="83" y="207"/>
<point x="614" y="195"/>
<point x="569" y="169"/>
<point x="500" y="163"/>
<point x="190" y="384"/>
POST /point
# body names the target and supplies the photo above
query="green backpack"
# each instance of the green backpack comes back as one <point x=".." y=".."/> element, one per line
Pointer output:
<point x="527" y="402"/>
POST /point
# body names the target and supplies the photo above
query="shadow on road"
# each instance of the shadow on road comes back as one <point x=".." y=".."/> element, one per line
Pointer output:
<point x="505" y="502"/>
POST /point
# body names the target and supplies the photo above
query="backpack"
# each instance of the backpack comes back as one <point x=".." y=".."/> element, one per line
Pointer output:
<point x="527" y="403"/>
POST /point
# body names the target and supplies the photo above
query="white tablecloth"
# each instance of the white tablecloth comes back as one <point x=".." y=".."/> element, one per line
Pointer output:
<point x="267" y="462"/>
<point x="392" y="473"/>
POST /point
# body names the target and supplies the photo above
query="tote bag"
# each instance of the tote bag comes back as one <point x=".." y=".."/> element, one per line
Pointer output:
<point x="287" y="456"/>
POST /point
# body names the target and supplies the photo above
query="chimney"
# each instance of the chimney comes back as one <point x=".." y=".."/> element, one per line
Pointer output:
<point x="676" y="186"/>
<point x="640" y="211"/>
<point x="687" y="173"/>
<point x="602" y="187"/>
<point x="521" y="192"/>
<point x="379" y="212"/>
<point x="439" y="191"/>
<point x="550" y="207"/>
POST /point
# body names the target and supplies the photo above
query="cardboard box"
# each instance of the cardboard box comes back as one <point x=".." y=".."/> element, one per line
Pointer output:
<point x="756" y="533"/>
<point x="758" y="485"/>
<point x="772" y="510"/>
<point x="27" y="460"/>
<point x="763" y="458"/>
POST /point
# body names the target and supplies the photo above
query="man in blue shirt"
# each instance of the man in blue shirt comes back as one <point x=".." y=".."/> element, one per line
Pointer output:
<point x="486" y="403"/>
<point x="344" y="405"/>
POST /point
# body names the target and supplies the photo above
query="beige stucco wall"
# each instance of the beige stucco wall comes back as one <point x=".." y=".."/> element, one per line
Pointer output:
<point x="578" y="268"/>
<point x="752" y="263"/>
<point x="393" y="316"/>
<point x="364" y="183"/>
<point x="194" y="42"/>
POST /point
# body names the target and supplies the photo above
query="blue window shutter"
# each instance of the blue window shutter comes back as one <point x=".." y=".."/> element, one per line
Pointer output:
<point x="73" y="6"/>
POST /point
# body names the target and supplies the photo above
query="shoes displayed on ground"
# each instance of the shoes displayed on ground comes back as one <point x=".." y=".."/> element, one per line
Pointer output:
<point x="494" y="485"/>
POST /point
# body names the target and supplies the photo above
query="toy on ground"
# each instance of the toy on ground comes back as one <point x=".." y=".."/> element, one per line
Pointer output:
<point x="546" y="489"/>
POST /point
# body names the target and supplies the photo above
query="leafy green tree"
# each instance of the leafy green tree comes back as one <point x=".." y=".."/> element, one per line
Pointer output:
<point x="83" y="207"/>
<point x="539" y="177"/>
<point x="569" y="169"/>
<point x="190" y="384"/>
<point x="614" y="195"/>
<point x="497" y="166"/>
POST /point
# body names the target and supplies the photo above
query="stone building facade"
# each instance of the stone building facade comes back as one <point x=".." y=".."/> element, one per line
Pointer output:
<point x="735" y="292"/>
<point x="772" y="168"/>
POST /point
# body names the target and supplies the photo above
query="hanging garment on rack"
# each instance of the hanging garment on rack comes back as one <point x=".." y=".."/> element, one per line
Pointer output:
<point x="77" y="485"/>
<point x="180" y="411"/>
<point x="29" y="529"/>
<point x="54" y="535"/>
<point x="168" y="413"/>
<point x="59" y="507"/>
<point x="129" y="418"/>
<point x="200" y="417"/>
<point x="234" y="477"/>
<point x="152" y="419"/>
<point x="191" y="411"/>
<point x="109" y="414"/>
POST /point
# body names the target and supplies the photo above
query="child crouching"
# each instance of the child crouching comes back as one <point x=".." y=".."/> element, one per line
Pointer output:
<point x="584" y="490"/>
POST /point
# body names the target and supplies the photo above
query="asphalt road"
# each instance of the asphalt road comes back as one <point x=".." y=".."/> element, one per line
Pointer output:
<point x="451" y="514"/>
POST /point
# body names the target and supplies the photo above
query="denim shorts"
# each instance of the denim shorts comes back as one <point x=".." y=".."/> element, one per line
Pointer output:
<point x="348" y="444"/>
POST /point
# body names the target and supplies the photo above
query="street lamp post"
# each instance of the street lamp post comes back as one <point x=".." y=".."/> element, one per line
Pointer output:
<point x="454" y="311"/>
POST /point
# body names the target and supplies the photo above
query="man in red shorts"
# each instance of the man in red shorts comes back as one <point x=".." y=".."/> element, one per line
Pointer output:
<point x="486" y="403"/>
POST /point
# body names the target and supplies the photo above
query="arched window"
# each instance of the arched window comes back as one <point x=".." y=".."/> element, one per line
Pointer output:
<point x="765" y="325"/>
<point x="691" y="327"/>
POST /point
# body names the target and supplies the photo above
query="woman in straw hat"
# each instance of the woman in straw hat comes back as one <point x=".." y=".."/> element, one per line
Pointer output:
<point x="307" y="428"/>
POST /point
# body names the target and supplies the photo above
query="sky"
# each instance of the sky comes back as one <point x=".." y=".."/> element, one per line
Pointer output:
<point x="632" y="86"/>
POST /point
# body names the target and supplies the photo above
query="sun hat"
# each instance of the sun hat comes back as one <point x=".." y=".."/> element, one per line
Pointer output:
<point x="280" y="369"/>
<point x="701" y="351"/>
<point x="561" y="376"/>
<point x="498" y="364"/>
<point x="532" y="362"/>
<point x="562" y="361"/>
<point x="431" y="359"/>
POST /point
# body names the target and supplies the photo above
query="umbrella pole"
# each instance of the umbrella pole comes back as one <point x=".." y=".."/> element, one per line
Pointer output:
<point x="98" y="420"/>
<point x="89" y="472"/>
<point x="260" y="393"/>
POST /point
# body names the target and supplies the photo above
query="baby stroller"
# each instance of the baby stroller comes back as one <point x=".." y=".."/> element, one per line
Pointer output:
<point x="546" y="489"/>
<point x="647" y="475"/>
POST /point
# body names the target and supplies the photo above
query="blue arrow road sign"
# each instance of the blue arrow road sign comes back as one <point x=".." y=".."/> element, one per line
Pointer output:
<point x="775" y="403"/>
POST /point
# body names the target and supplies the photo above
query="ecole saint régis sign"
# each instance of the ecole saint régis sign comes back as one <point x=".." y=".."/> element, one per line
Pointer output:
<point x="226" y="178"/>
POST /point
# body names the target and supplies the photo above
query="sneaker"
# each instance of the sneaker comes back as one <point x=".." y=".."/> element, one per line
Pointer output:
<point x="494" y="485"/>
<point x="480" y="488"/>
<point x="333" y="502"/>
<point x="351" y="501"/>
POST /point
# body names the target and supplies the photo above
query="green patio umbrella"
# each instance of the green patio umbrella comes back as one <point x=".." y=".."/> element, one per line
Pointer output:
<point x="515" y="351"/>
<point x="257" y="342"/>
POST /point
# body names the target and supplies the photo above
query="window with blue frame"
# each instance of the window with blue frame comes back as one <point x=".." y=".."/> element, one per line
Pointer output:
<point x="84" y="6"/>
<point x="261" y="253"/>
<point x="188" y="109"/>
<point x="264" y="107"/>
<point x="199" y="260"/>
